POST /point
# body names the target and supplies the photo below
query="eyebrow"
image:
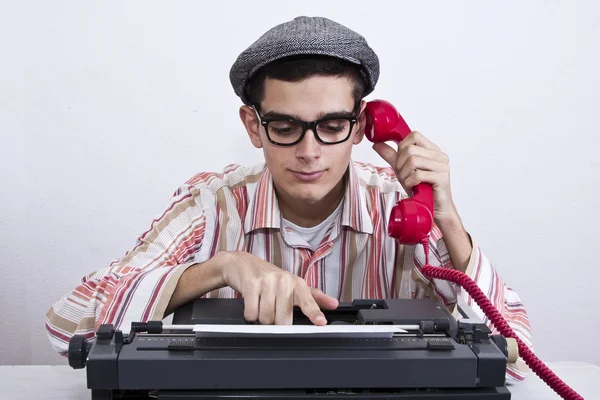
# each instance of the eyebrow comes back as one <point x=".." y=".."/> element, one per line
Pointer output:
<point x="321" y="115"/>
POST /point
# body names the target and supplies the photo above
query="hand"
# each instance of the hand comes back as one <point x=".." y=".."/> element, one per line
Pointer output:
<point x="418" y="160"/>
<point x="270" y="293"/>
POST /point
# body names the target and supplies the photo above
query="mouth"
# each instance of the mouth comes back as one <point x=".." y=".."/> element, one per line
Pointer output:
<point x="307" y="176"/>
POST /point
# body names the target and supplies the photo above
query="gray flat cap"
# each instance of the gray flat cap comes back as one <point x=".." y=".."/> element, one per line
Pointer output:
<point x="304" y="35"/>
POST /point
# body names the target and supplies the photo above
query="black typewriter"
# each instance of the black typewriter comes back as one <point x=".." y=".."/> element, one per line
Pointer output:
<point x="401" y="349"/>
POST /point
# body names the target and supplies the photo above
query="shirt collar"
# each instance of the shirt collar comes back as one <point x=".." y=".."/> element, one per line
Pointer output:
<point x="263" y="210"/>
<point x="355" y="213"/>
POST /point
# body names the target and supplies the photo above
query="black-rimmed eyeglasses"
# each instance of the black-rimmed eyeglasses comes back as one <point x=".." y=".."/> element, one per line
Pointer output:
<point x="332" y="129"/>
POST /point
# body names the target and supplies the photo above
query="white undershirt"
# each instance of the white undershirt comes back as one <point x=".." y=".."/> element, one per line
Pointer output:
<point x="314" y="235"/>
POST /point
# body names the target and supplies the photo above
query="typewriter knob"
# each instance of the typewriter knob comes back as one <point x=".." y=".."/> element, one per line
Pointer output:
<point x="78" y="351"/>
<point x="508" y="346"/>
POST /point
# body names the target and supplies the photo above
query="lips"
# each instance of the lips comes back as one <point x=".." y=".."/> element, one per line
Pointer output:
<point x="307" y="176"/>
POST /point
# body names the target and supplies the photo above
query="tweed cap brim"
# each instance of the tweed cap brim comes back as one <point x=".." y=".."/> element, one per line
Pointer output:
<point x="304" y="36"/>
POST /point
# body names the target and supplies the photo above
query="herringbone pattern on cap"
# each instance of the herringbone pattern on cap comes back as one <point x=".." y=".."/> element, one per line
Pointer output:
<point x="304" y="35"/>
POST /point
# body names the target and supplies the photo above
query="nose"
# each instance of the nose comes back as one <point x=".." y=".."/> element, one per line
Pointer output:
<point x="309" y="148"/>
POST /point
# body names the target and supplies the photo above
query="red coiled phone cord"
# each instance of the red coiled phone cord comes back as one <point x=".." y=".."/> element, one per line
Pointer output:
<point x="500" y="323"/>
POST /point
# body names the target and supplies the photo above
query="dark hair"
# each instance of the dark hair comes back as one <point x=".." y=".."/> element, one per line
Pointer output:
<point x="298" y="68"/>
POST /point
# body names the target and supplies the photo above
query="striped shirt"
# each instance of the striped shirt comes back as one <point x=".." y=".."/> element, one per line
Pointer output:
<point x="237" y="210"/>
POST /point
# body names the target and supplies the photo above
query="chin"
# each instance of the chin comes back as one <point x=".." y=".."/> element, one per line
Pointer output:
<point x="311" y="197"/>
<point x="308" y="192"/>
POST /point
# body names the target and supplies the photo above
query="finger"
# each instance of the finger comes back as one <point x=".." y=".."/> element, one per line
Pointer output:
<point x="417" y="138"/>
<point x="308" y="305"/>
<point x="251" y="306"/>
<point x="386" y="152"/>
<point x="431" y="177"/>
<point x="415" y="163"/>
<point x="266" y="312"/>
<point x="324" y="300"/>
<point x="414" y="150"/>
<point x="284" y="303"/>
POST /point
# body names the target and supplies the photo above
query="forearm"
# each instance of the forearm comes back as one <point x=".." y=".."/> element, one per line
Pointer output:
<point x="466" y="256"/>
<point x="198" y="280"/>
<point x="457" y="241"/>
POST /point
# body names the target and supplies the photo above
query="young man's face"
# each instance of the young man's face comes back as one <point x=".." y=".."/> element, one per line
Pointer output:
<point x="309" y="170"/>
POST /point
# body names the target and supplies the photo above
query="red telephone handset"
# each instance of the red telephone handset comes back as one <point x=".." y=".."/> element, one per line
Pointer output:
<point x="411" y="219"/>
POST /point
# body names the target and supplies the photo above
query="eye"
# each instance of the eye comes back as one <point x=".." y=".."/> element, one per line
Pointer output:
<point x="284" y="128"/>
<point x="334" y="126"/>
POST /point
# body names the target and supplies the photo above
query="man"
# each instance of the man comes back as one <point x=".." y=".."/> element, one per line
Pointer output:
<point x="309" y="226"/>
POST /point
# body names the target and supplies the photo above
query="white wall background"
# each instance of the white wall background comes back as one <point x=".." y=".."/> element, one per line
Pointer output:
<point x="106" y="107"/>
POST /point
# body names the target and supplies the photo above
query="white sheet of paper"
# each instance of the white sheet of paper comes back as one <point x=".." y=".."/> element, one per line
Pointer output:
<point x="343" y="331"/>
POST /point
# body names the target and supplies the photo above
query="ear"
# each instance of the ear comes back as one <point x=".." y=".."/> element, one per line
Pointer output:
<point x="360" y="124"/>
<point x="250" y="121"/>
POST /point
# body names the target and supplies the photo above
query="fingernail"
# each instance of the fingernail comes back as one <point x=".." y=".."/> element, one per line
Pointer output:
<point x="321" y="318"/>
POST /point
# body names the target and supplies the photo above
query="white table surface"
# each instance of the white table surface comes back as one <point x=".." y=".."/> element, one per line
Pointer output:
<point x="27" y="382"/>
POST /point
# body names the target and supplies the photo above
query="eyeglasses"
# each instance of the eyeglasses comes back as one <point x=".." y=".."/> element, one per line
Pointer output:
<point x="285" y="131"/>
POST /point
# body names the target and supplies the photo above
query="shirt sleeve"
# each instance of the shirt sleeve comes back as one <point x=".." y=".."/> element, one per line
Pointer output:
<point x="139" y="286"/>
<point x="481" y="271"/>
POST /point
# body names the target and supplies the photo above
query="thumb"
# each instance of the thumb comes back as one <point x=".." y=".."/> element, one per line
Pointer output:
<point x="324" y="300"/>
